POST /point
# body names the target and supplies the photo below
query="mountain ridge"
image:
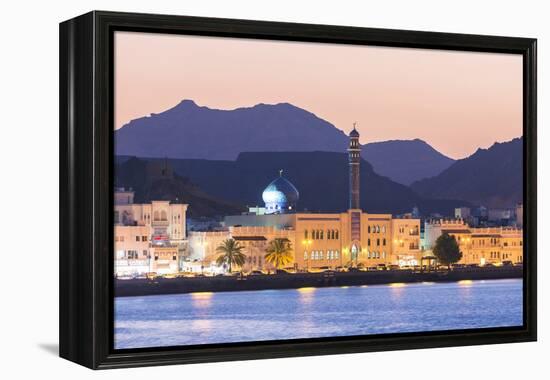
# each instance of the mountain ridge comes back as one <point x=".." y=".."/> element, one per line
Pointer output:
<point x="190" y="131"/>
<point x="487" y="177"/>
<point x="320" y="177"/>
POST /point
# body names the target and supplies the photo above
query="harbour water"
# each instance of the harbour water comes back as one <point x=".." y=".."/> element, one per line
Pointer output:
<point x="203" y="318"/>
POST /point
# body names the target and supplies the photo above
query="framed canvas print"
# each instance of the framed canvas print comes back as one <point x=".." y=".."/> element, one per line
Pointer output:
<point x="236" y="189"/>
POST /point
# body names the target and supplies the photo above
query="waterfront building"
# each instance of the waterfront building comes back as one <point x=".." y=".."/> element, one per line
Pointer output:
<point x="350" y="238"/>
<point x="149" y="237"/>
<point x="479" y="245"/>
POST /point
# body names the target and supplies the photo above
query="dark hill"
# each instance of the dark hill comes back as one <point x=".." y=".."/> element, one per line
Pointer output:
<point x="321" y="178"/>
<point x="490" y="177"/>
<point x="156" y="181"/>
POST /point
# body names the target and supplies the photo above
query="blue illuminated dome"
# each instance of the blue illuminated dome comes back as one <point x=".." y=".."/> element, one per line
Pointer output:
<point x="280" y="196"/>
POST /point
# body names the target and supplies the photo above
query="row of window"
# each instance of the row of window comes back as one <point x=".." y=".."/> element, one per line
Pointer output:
<point x="319" y="255"/>
<point x="320" y="234"/>
<point x="376" y="229"/>
<point x="378" y="241"/>
<point x="138" y="238"/>
<point x="157" y="216"/>
<point x="376" y="255"/>
<point x="514" y="243"/>
<point x="132" y="254"/>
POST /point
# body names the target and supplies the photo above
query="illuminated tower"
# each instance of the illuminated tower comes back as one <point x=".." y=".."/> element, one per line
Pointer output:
<point x="354" y="153"/>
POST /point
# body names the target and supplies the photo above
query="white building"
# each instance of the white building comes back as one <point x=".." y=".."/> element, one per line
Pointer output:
<point x="149" y="237"/>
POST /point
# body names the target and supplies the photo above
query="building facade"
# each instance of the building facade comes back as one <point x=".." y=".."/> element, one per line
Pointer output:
<point x="491" y="245"/>
<point x="148" y="237"/>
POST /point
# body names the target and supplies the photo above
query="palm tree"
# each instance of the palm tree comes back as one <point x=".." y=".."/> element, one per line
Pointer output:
<point x="279" y="253"/>
<point x="230" y="253"/>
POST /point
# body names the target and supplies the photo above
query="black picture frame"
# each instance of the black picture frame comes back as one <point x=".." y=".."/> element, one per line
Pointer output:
<point x="86" y="183"/>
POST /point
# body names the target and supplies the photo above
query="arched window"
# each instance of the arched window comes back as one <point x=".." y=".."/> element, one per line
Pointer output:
<point x="163" y="215"/>
<point x="156" y="215"/>
<point x="384" y="241"/>
<point x="383" y="229"/>
<point x="368" y="229"/>
<point x="322" y="232"/>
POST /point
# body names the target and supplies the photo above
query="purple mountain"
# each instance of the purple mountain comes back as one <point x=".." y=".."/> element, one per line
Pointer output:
<point x="491" y="177"/>
<point x="405" y="161"/>
<point x="189" y="131"/>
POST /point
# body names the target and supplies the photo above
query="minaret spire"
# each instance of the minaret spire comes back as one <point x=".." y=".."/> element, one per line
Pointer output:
<point x="354" y="154"/>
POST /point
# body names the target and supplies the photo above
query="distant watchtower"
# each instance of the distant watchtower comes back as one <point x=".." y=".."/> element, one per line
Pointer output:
<point x="354" y="153"/>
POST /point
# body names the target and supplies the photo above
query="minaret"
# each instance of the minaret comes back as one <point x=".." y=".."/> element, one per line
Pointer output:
<point x="354" y="153"/>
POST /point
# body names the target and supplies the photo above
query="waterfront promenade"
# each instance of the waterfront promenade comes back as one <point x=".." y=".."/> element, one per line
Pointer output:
<point x="181" y="285"/>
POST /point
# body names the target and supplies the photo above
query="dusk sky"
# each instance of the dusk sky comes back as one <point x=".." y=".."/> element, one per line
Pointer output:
<point x="455" y="101"/>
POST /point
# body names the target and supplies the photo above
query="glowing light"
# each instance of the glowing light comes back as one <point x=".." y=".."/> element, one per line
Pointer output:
<point x="427" y="283"/>
<point x="307" y="290"/>
<point x="465" y="282"/>
<point x="364" y="286"/>
<point x="344" y="287"/>
<point x="397" y="284"/>
<point x="201" y="295"/>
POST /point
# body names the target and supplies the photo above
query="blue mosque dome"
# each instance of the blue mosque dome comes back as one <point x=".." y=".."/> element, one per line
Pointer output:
<point x="280" y="196"/>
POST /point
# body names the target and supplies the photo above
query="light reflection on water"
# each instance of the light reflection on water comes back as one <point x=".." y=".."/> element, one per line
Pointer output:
<point x="206" y="317"/>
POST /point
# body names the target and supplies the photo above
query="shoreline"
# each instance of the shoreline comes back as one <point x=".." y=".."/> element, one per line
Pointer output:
<point x="163" y="286"/>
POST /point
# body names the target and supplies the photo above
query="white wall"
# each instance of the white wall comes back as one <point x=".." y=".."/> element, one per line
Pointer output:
<point x="29" y="142"/>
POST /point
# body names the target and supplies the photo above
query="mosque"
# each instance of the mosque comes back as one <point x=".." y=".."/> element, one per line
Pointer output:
<point x="319" y="240"/>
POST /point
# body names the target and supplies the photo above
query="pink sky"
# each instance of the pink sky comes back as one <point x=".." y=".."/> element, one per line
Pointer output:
<point x="455" y="101"/>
